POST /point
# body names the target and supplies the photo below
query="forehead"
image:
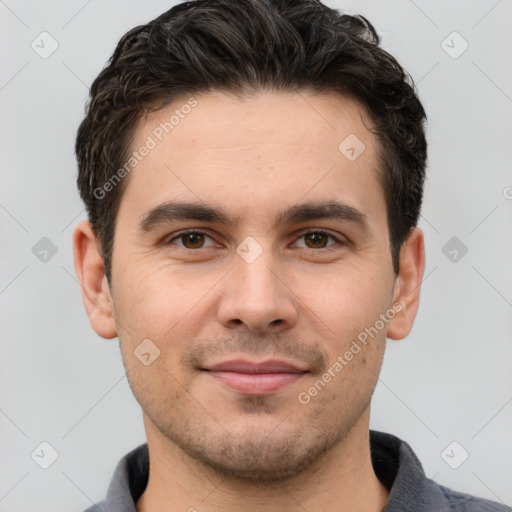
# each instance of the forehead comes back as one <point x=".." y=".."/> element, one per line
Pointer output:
<point x="221" y="119"/>
<point x="261" y="151"/>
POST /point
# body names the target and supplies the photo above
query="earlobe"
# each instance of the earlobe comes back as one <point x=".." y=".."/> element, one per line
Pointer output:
<point x="90" y="270"/>
<point x="408" y="285"/>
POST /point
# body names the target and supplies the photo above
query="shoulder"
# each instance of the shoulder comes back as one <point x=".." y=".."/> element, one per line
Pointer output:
<point x="455" y="501"/>
<point x="127" y="484"/>
<point x="98" y="507"/>
<point x="399" y="469"/>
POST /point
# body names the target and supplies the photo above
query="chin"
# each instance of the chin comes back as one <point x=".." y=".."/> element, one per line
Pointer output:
<point x="257" y="451"/>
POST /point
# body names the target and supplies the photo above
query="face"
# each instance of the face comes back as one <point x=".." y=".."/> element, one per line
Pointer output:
<point x="252" y="281"/>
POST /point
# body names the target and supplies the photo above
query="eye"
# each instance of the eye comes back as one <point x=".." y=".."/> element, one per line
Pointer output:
<point x="318" y="239"/>
<point x="191" y="239"/>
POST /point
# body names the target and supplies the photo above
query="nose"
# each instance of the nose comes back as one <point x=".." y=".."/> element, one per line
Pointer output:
<point x="257" y="297"/>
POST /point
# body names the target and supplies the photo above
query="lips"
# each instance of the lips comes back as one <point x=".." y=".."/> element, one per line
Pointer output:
<point x="244" y="366"/>
<point x="255" y="378"/>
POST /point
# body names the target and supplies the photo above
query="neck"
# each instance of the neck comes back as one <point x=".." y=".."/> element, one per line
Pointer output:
<point x="342" y="480"/>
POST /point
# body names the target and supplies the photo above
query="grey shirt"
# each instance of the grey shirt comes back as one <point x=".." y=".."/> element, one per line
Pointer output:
<point x="394" y="462"/>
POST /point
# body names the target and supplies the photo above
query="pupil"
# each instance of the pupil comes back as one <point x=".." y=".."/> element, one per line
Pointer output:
<point x="316" y="238"/>
<point x="193" y="238"/>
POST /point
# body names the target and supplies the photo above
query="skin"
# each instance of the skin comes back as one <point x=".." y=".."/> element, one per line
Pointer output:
<point x="303" y="299"/>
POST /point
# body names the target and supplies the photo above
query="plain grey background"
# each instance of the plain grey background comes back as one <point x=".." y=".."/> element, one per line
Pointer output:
<point x="449" y="381"/>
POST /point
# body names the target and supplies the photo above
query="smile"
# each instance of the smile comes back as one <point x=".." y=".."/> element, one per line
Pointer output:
<point x="252" y="378"/>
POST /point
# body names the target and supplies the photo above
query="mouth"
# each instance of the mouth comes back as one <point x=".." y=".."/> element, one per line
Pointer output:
<point x="256" y="378"/>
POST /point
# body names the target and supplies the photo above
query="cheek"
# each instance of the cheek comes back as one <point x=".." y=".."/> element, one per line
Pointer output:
<point x="166" y="307"/>
<point x="153" y="299"/>
<point x="337" y="398"/>
<point x="346" y="301"/>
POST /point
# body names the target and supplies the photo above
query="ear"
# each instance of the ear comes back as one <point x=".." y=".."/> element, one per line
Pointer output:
<point x="408" y="284"/>
<point x="90" y="270"/>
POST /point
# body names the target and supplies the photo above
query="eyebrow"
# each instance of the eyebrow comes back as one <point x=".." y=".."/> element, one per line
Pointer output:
<point x="171" y="211"/>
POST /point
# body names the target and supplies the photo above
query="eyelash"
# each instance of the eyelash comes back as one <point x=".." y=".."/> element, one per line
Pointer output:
<point x="197" y="232"/>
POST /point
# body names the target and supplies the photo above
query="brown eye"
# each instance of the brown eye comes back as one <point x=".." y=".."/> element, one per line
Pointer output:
<point x="316" y="239"/>
<point x="319" y="239"/>
<point x="190" y="240"/>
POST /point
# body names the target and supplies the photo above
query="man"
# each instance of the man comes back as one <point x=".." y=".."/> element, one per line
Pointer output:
<point x="253" y="176"/>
